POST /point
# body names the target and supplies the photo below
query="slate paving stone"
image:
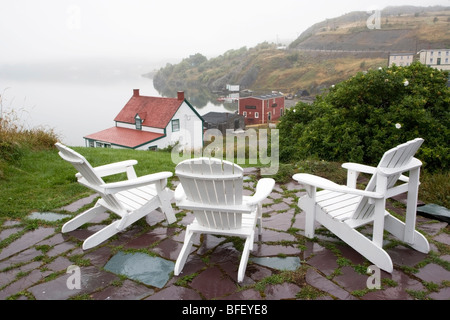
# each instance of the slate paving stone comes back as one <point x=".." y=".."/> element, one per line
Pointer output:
<point x="75" y="206"/>
<point x="54" y="240"/>
<point x="194" y="264"/>
<point x="168" y="248"/>
<point x="175" y="293"/>
<point x="27" y="240"/>
<point x="397" y="291"/>
<point x="128" y="290"/>
<point x="268" y="235"/>
<point x="211" y="269"/>
<point x="433" y="228"/>
<point x="443" y="238"/>
<point x="8" y="232"/>
<point x="257" y="272"/>
<point x="92" y="279"/>
<point x="60" y="263"/>
<point x="212" y="284"/>
<point x="433" y="273"/>
<point x="60" y="248"/>
<point x="351" y="280"/>
<point x="153" y="271"/>
<point x="21" y="257"/>
<point x="98" y="256"/>
<point x="403" y="256"/>
<point x="23" y="283"/>
<point x="351" y="254"/>
<point x="279" y="221"/>
<point x="47" y="216"/>
<point x="443" y="294"/>
<point x="274" y="250"/>
<point x="147" y="239"/>
<point x="325" y="261"/>
<point x="244" y="295"/>
<point x="286" y="263"/>
<point x="318" y="281"/>
<point x="281" y="291"/>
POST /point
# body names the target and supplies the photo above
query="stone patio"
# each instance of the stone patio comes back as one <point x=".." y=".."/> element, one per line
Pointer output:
<point x="284" y="265"/>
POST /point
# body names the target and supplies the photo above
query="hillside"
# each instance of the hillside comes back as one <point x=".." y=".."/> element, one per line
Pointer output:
<point x="326" y="53"/>
<point x="402" y="29"/>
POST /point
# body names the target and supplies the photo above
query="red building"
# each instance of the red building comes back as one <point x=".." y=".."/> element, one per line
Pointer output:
<point x="262" y="109"/>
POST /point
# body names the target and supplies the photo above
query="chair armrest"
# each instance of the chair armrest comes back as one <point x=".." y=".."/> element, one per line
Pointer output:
<point x="359" y="167"/>
<point x="413" y="164"/>
<point x="319" y="182"/>
<point x="114" y="168"/>
<point x="114" y="187"/>
<point x="264" y="188"/>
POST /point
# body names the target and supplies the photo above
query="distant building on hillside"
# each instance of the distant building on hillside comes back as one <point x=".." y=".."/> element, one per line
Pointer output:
<point x="435" y="58"/>
<point x="401" y="59"/>
<point x="262" y="109"/>
<point x="150" y="123"/>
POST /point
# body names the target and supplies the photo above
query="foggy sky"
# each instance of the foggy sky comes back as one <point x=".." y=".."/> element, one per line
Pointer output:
<point x="57" y="30"/>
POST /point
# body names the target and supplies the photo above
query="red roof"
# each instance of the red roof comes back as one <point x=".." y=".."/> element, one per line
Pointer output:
<point x="124" y="137"/>
<point x="155" y="112"/>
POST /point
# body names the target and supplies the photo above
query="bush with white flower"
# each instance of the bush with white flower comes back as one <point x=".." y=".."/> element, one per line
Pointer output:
<point x="362" y="117"/>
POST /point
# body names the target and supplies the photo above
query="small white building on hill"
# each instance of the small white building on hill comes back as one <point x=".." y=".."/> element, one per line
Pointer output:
<point x="151" y="123"/>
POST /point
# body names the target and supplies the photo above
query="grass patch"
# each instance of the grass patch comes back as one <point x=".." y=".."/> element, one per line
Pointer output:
<point x="42" y="181"/>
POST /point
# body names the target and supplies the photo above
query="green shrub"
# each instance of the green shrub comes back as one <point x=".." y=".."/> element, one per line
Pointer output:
<point x="359" y="119"/>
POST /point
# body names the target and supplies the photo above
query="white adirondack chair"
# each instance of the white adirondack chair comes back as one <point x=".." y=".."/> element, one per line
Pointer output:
<point x="212" y="189"/>
<point x="342" y="209"/>
<point x="131" y="199"/>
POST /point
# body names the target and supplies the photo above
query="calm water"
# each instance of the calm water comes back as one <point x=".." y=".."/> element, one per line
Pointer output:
<point x="76" y="105"/>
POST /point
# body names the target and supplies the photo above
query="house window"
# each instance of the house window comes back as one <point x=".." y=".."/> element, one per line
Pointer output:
<point x="244" y="114"/>
<point x="152" y="148"/>
<point x="91" y="144"/>
<point x="175" y="125"/>
<point x="256" y="115"/>
<point x="102" y="145"/>
<point x="250" y="107"/>
<point x="281" y="112"/>
<point x="269" y="116"/>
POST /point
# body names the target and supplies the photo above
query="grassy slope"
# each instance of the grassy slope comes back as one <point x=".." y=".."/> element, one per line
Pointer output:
<point x="42" y="181"/>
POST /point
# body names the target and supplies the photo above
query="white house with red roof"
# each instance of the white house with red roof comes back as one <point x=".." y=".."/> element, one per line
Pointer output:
<point x="151" y="123"/>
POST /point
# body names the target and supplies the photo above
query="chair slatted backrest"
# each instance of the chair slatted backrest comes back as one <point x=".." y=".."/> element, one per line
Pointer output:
<point x="393" y="158"/>
<point x="87" y="172"/>
<point x="210" y="181"/>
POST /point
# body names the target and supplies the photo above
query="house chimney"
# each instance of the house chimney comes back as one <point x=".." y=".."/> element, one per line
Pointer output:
<point x="135" y="92"/>
<point x="181" y="95"/>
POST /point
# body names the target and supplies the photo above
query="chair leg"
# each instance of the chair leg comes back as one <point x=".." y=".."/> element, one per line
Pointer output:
<point x="168" y="212"/>
<point x="259" y="218"/>
<point x="101" y="235"/>
<point x="82" y="218"/>
<point x="307" y="204"/>
<point x="244" y="258"/>
<point x="184" y="253"/>
<point x="397" y="228"/>
<point x="367" y="248"/>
